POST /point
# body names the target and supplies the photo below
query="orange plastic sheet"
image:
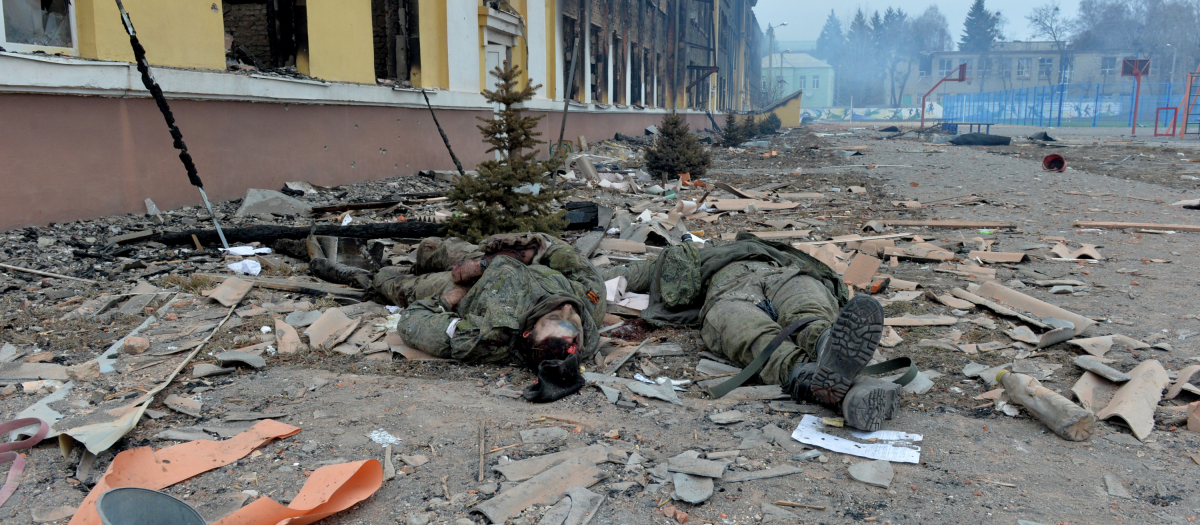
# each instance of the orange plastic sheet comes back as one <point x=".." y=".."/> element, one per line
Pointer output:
<point x="329" y="490"/>
<point x="157" y="469"/>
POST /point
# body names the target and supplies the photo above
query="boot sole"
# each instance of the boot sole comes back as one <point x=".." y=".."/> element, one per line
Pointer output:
<point x="870" y="410"/>
<point x="852" y="342"/>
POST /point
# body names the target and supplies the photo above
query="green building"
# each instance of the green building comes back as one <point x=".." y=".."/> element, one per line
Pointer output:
<point x="786" y="73"/>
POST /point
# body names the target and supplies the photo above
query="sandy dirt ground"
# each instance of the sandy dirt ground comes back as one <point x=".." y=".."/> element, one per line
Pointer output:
<point x="977" y="464"/>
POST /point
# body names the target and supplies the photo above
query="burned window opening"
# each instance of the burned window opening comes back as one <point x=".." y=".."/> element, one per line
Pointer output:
<point x="599" y="65"/>
<point x="38" y="22"/>
<point x="570" y="33"/>
<point x="246" y="34"/>
<point x="393" y="24"/>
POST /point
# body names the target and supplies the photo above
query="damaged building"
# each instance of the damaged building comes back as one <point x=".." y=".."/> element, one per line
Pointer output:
<point x="334" y="91"/>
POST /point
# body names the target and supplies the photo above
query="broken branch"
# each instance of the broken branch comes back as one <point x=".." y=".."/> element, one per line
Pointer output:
<point x="45" y="274"/>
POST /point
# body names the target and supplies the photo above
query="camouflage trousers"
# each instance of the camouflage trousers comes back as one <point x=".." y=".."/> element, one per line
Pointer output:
<point x="734" y="324"/>
<point x="429" y="276"/>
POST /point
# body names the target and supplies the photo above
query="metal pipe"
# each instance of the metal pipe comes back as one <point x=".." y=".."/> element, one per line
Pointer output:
<point x="143" y="66"/>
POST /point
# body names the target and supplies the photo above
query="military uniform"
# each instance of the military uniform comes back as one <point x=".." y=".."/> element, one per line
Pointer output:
<point x="484" y="326"/>
<point x="741" y="294"/>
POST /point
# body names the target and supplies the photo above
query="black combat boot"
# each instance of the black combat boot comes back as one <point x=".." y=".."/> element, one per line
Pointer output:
<point x="869" y="402"/>
<point x="842" y="352"/>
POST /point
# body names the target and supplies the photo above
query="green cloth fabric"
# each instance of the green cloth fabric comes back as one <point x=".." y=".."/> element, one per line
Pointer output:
<point x="736" y="327"/>
<point x="490" y="314"/>
<point x="677" y="278"/>
<point x="720" y="288"/>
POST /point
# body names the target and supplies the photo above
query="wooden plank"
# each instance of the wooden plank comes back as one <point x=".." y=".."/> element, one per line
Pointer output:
<point x="997" y="257"/>
<point x="953" y="224"/>
<point x="740" y="204"/>
<point x="874" y="238"/>
<point x="1146" y="225"/>
<point x="797" y="196"/>
<point x="293" y="286"/>
<point x="545" y="488"/>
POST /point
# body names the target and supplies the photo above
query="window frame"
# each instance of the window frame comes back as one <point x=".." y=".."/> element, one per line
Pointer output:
<point x="1003" y="67"/>
<point x="17" y="47"/>
<point x="945" y="66"/>
<point x="816" y="81"/>
<point x="1048" y="70"/>
<point x="1024" y="72"/>
<point x="1112" y="66"/>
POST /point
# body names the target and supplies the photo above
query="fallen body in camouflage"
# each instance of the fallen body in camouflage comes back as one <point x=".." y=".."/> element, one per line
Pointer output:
<point x="744" y="293"/>
<point x="529" y="298"/>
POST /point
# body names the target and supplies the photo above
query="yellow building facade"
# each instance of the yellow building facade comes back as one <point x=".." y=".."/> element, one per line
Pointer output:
<point x="670" y="54"/>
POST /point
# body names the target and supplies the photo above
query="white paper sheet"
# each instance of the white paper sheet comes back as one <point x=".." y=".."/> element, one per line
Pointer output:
<point x="246" y="250"/>
<point x="890" y="445"/>
<point x="248" y="266"/>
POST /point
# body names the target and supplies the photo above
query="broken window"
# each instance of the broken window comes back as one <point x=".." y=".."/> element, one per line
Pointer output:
<point x="599" y="65"/>
<point x="37" y="23"/>
<point x="618" y="69"/>
<point x="570" y="33"/>
<point x="265" y="33"/>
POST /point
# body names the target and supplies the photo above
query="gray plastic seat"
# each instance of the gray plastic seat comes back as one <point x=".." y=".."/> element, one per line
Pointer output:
<point x="138" y="506"/>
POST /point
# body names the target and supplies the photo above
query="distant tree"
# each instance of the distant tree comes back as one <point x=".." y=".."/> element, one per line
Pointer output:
<point x="770" y="124"/>
<point x="861" y="69"/>
<point x="928" y="33"/>
<point x="1047" y="21"/>
<point x="831" y="47"/>
<point x="734" y="133"/>
<point x="893" y="39"/>
<point x="981" y="29"/>
<point x="1106" y="25"/>
<point x="676" y="151"/>
<point x="832" y="41"/>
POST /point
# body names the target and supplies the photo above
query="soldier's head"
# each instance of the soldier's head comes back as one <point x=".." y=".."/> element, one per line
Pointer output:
<point x="556" y="335"/>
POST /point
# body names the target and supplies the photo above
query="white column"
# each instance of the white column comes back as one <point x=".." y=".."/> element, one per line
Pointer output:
<point x="609" y="61"/>
<point x="537" y="42"/>
<point x="560" y="61"/>
<point x="462" y="46"/>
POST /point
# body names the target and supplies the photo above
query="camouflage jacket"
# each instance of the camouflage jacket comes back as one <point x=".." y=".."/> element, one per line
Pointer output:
<point x="492" y="311"/>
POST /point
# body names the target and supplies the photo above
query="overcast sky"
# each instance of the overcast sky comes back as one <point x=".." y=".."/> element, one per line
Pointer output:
<point x="805" y="17"/>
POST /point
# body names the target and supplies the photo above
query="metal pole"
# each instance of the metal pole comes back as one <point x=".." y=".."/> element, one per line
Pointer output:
<point x="567" y="93"/>
<point x="143" y="66"/>
<point x="770" y="64"/>
<point x="1137" y="95"/>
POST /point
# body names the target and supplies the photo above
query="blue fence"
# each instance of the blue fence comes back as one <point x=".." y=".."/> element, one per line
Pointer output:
<point x="1085" y="105"/>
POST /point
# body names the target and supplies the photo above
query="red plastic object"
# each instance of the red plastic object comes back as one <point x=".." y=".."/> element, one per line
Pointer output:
<point x="1054" y="163"/>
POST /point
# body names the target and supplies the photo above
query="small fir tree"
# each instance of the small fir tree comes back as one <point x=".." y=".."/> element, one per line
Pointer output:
<point x="488" y="203"/>
<point x="750" y="127"/>
<point x="734" y="133"/>
<point x="769" y="125"/>
<point x="677" y="151"/>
